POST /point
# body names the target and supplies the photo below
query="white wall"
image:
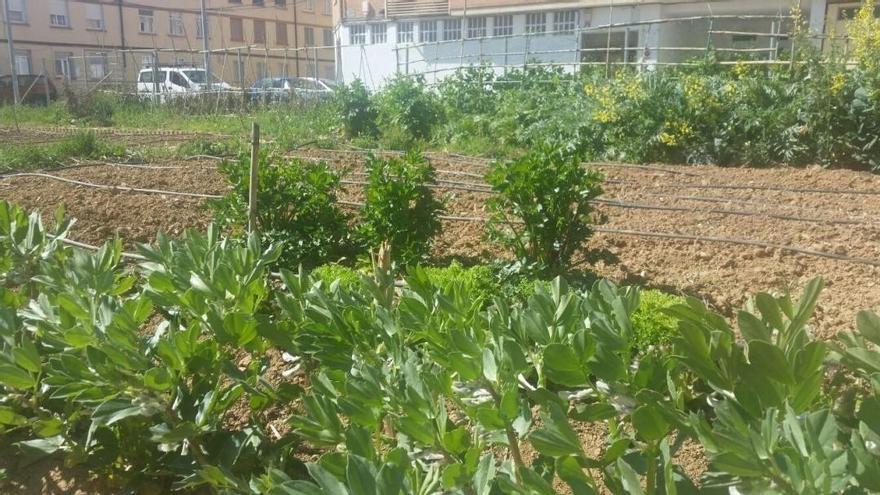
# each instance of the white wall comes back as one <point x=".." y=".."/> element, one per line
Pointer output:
<point x="375" y="63"/>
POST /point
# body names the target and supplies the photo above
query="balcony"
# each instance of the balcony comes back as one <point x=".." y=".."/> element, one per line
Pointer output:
<point x="416" y="8"/>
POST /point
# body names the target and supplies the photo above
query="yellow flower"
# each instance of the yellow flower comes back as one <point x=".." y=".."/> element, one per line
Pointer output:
<point x="668" y="139"/>
<point x="740" y="69"/>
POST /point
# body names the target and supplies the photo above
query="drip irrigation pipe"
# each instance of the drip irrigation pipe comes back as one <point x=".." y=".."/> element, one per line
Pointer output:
<point x="112" y="188"/>
<point x="640" y="206"/>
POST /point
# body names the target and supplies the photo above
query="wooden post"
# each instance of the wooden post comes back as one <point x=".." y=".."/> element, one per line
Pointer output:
<point x="254" y="183"/>
<point x="46" y="83"/>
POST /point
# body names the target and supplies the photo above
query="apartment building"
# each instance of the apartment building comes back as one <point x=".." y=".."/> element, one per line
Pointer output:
<point x="378" y="38"/>
<point x="86" y="42"/>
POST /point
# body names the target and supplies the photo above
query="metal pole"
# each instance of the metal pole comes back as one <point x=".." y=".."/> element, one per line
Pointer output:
<point x="253" y="186"/>
<point x="13" y="70"/>
<point x="46" y="83"/>
<point x="205" y="46"/>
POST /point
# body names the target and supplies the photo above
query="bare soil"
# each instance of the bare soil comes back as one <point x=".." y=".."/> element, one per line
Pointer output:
<point x="129" y="137"/>
<point x="842" y="207"/>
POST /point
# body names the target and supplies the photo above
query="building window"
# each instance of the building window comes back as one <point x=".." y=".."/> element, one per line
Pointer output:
<point x="22" y="62"/>
<point x="328" y="37"/>
<point x="359" y="34"/>
<point x="281" y="3"/>
<point x="145" y="21"/>
<point x="328" y="7"/>
<point x="175" y="24"/>
<point x="378" y="33"/>
<point x="536" y="23"/>
<point x="281" y="33"/>
<point x="427" y="31"/>
<point x="564" y="22"/>
<point x="309" y="36"/>
<point x="200" y="27"/>
<point x="95" y="17"/>
<point x="451" y="29"/>
<point x="64" y="66"/>
<point x="17" y="12"/>
<point x="502" y="25"/>
<point x="261" y="70"/>
<point x="96" y="63"/>
<point x="476" y="27"/>
<point x="309" y="5"/>
<point x="258" y="2"/>
<point x="236" y="29"/>
<point x="405" y="32"/>
<point x="259" y="31"/>
<point x="58" y="15"/>
<point x="148" y="61"/>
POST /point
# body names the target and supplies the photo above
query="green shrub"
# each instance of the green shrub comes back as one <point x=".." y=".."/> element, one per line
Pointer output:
<point x="478" y="281"/>
<point x="407" y="109"/>
<point x="651" y="324"/>
<point x="542" y="207"/>
<point x="81" y="144"/>
<point x="356" y="110"/>
<point x="296" y="207"/>
<point x="90" y="107"/>
<point x="400" y="207"/>
<point x="348" y="278"/>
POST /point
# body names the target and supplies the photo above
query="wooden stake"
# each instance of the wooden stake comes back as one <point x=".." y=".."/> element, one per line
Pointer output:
<point x="254" y="183"/>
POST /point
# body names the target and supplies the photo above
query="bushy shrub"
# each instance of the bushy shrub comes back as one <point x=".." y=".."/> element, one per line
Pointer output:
<point x="400" y="207"/>
<point x="652" y="325"/>
<point x="347" y="277"/>
<point x="296" y="207"/>
<point x="93" y="108"/>
<point x="356" y="110"/>
<point x="407" y="109"/>
<point x="541" y="209"/>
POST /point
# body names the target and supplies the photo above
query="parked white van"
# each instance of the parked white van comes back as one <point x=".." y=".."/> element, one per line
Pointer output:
<point x="176" y="80"/>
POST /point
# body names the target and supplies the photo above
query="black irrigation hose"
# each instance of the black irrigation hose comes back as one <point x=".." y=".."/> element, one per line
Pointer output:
<point x="642" y="167"/>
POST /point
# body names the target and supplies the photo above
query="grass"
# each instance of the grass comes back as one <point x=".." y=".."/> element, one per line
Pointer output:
<point x="82" y="145"/>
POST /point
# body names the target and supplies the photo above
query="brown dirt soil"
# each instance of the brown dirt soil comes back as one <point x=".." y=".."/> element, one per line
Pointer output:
<point x="720" y="273"/>
<point x="129" y="137"/>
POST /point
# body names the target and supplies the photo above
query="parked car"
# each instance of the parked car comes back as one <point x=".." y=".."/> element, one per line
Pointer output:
<point x="177" y="81"/>
<point x="31" y="89"/>
<point x="285" y="88"/>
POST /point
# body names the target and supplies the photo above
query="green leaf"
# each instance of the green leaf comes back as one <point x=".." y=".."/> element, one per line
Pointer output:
<point x="9" y="417"/>
<point x="490" y="369"/>
<point x="15" y="377"/>
<point x="629" y="478"/>
<point x="329" y="484"/>
<point x="868" y="325"/>
<point x="770" y="362"/>
<point x="26" y="356"/>
<point x="158" y="379"/>
<point x="360" y="476"/>
<point x="650" y="423"/>
<point x="570" y="471"/>
<point x="115" y="410"/>
<point x="562" y="366"/>
<point x="42" y="446"/>
<point x="556" y="438"/>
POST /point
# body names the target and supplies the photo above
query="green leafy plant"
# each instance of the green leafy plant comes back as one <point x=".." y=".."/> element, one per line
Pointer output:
<point x="400" y="208"/>
<point x="407" y="107"/>
<point x="542" y="209"/>
<point x="297" y="208"/>
<point x="357" y="110"/>
<point x="652" y="325"/>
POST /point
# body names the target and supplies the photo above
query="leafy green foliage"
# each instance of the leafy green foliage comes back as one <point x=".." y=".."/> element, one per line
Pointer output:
<point x="400" y="208"/>
<point x="161" y="372"/>
<point x="542" y="206"/>
<point x="296" y="208"/>
<point x="80" y="144"/>
<point x="93" y="108"/>
<point x="651" y="324"/>
<point x="408" y="111"/>
<point x="357" y="110"/>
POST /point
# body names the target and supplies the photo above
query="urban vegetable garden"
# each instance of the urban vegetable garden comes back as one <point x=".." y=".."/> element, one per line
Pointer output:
<point x="426" y="322"/>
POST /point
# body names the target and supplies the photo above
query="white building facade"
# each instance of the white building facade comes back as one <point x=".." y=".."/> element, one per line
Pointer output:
<point x="435" y="38"/>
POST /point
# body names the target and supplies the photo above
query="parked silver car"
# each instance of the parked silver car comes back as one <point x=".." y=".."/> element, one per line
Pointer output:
<point x="286" y="88"/>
